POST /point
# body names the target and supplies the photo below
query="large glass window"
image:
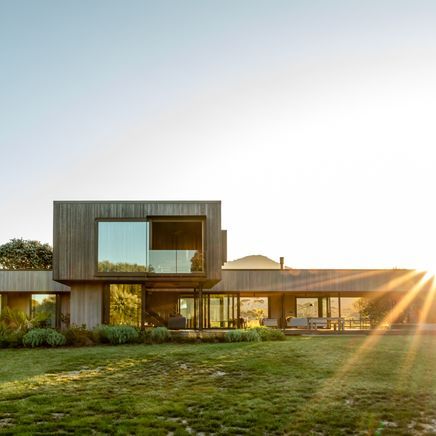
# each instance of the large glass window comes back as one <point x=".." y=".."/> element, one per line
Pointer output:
<point x="44" y="308"/>
<point x="307" y="307"/>
<point x="219" y="311"/>
<point x="253" y="309"/>
<point x="169" y="247"/>
<point x="176" y="247"/>
<point x="187" y="308"/>
<point x="125" y="304"/>
<point x="122" y="246"/>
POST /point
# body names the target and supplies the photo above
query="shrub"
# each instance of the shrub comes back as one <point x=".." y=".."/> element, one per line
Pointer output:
<point x="10" y="338"/>
<point x="15" y="338"/>
<point x="116" y="334"/>
<point x="41" y="320"/>
<point x="159" y="335"/>
<point x="269" y="334"/>
<point x="145" y="336"/>
<point x="234" y="335"/>
<point x="54" y="338"/>
<point x="14" y="319"/>
<point x="34" y="338"/>
<point x="251" y="335"/>
<point x="78" y="336"/>
<point x="38" y="337"/>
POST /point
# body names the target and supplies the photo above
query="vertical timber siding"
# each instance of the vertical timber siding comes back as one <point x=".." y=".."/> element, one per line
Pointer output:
<point x="32" y="280"/>
<point x="74" y="232"/>
<point x="86" y="304"/>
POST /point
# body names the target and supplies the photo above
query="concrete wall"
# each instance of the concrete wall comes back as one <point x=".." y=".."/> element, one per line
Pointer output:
<point x="86" y="300"/>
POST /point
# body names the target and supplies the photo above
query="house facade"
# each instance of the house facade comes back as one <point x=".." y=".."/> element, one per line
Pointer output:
<point x="164" y="263"/>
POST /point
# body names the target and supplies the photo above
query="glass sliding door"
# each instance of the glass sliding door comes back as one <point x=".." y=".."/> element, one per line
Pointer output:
<point x="187" y="308"/>
<point x="219" y="311"/>
<point x="222" y="311"/>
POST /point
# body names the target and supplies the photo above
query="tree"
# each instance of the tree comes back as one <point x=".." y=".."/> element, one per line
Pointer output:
<point x="376" y="309"/>
<point x="25" y="254"/>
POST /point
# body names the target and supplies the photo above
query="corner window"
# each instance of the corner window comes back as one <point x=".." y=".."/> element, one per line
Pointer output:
<point x="160" y="246"/>
<point x="176" y="247"/>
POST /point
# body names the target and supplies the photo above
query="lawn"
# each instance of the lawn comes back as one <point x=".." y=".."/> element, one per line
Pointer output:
<point x="298" y="386"/>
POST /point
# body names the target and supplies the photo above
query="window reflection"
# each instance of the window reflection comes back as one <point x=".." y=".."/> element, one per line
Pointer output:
<point x="122" y="246"/>
<point x="161" y="247"/>
<point x="307" y="307"/>
<point x="125" y="304"/>
<point x="176" y="247"/>
<point x="44" y="309"/>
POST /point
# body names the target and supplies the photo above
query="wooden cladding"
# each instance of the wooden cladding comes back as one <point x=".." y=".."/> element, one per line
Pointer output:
<point x="328" y="280"/>
<point x="29" y="281"/>
<point x="75" y="233"/>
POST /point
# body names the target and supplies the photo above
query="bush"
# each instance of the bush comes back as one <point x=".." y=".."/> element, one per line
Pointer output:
<point x="234" y="336"/>
<point x="159" y="335"/>
<point x="145" y="335"/>
<point x="38" y="337"/>
<point x="250" y="335"/>
<point x="34" y="338"/>
<point x="116" y="334"/>
<point x="54" y="338"/>
<point x="269" y="334"/>
<point x="78" y="336"/>
<point x="10" y="338"/>
<point x="14" y="319"/>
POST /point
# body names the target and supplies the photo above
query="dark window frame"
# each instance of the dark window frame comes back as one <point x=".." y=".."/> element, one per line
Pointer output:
<point x="149" y="219"/>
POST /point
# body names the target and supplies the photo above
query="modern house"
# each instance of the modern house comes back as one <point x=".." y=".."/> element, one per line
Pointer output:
<point x="165" y="263"/>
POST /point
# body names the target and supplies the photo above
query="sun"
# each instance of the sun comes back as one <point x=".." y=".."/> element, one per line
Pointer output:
<point x="430" y="273"/>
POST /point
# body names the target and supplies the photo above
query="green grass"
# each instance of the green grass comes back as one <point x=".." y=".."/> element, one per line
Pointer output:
<point x="290" y="387"/>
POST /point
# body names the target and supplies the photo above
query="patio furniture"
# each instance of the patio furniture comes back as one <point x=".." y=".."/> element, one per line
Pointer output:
<point x="269" y="322"/>
<point x="326" y="322"/>
<point x="297" y="322"/>
<point x="176" y="322"/>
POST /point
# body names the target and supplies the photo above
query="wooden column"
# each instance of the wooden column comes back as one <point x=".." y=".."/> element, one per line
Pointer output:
<point x="195" y="309"/>
<point x="200" y="308"/>
<point x="208" y="311"/>
<point x="106" y="303"/>
<point x="339" y="305"/>
<point x="58" y="320"/>
<point x="320" y="307"/>
<point x="144" y="305"/>
<point x="282" y="318"/>
<point x="238" y="310"/>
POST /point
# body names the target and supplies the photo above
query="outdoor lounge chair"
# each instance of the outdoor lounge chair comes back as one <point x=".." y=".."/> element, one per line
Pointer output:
<point x="297" y="322"/>
<point x="270" y="322"/>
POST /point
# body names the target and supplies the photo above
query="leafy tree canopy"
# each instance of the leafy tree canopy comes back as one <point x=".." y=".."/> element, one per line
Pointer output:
<point x="25" y="254"/>
<point x="375" y="309"/>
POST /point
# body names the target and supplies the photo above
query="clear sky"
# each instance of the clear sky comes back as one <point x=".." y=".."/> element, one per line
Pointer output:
<point x="313" y="121"/>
